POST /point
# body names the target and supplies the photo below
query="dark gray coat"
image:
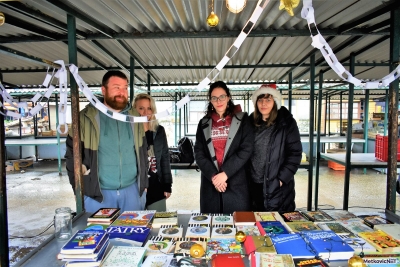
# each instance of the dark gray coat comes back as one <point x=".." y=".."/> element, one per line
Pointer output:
<point x="161" y="153"/>
<point x="283" y="160"/>
<point x="239" y="147"/>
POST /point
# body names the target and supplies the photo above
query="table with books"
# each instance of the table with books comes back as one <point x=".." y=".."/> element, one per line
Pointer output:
<point x="258" y="239"/>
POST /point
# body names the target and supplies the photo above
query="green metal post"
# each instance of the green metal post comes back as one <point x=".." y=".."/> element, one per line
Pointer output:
<point x="290" y="91"/>
<point x="366" y="123"/>
<point x="58" y="139"/>
<point x="132" y="79"/>
<point x="176" y="119"/>
<point x="321" y="77"/>
<point x="311" y="132"/>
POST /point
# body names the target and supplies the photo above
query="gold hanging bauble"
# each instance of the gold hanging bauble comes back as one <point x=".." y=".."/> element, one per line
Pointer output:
<point x="197" y="251"/>
<point x="240" y="236"/>
<point x="288" y="5"/>
<point x="212" y="20"/>
<point x="356" y="261"/>
<point x="2" y="19"/>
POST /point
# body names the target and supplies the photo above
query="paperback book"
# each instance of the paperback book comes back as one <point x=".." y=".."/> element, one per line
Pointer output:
<point x="96" y="256"/>
<point x="198" y="230"/>
<point x="309" y="262"/>
<point x="356" y="226"/>
<point x="248" y="229"/>
<point x="134" y="218"/>
<point x="254" y="245"/>
<point x="293" y="244"/>
<point x="271" y="228"/>
<point x="223" y="231"/>
<point x="391" y="229"/>
<point x="192" y="262"/>
<point x="294" y="216"/>
<point x="200" y="218"/>
<point x="358" y="244"/>
<point x="172" y="231"/>
<point x="302" y="226"/>
<point x="227" y="260"/>
<point x="381" y="241"/>
<point x="244" y="218"/>
<point x="222" y="219"/>
<point x="96" y="226"/>
<point x="165" y="218"/>
<point x="336" y="227"/>
<point x="183" y="245"/>
<point x="158" y="245"/>
<point x="222" y="246"/>
<point x="129" y="234"/>
<point x="84" y="242"/>
<point x="122" y="256"/>
<point x="340" y="215"/>
<point x="371" y="221"/>
<point x="104" y="215"/>
<point x="318" y="216"/>
<point x="262" y="216"/>
<point x="276" y="260"/>
<point x="157" y="260"/>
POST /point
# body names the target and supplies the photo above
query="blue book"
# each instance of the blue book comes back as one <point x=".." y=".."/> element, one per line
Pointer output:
<point x="271" y="228"/>
<point x="292" y="244"/>
<point x="328" y="245"/>
<point x="132" y="235"/>
<point x="84" y="242"/>
<point x="86" y="257"/>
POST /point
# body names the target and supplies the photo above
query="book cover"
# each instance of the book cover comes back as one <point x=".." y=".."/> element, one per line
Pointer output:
<point x="340" y="215"/>
<point x="84" y="242"/>
<point x="276" y="260"/>
<point x="227" y="260"/>
<point x="157" y="260"/>
<point x="328" y="245"/>
<point x="371" y="221"/>
<point x="292" y="244"/>
<point x="267" y="216"/>
<point x="158" y="245"/>
<point x="391" y="229"/>
<point x="309" y="262"/>
<point x="172" y="231"/>
<point x="257" y="244"/>
<point x="358" y="244"/>
<point x="244" y="218"/>
<point x="183" y="245"/>
<point x="302" y="226"/>
<point x="198" y="230"/>
<point x="191" y="262"/>
<point x="134" y="218"/>
<point x="97" y="255"/>
<point x="356" y="226"/>
<point x="271" y="228"/>
<point x="200" y="218"/>
<point x="294" y="216"/>
<point x="129" y="234"/>
<point x="165" y="218"/>
<point x="122" y="256"/>
<point x="223" y="231"/>
<point x="381" y="241"/>
<point x="222" y="246"/>
<point x="336" y="227"/>
<point x="248" y="229"/>
<point x="318" y="216"/>
<point x="222" y="219"/>
<point x="96" y="226"/>
<point x="104" y="214"/>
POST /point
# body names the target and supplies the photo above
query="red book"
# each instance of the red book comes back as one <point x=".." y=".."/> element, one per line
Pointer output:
<point x="262" y="244"/>
<point x="227" y="260"/>
<point x="244" y="218"/>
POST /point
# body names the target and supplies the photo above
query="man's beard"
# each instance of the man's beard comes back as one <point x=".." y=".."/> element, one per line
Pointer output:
<point x="114" y="103"/>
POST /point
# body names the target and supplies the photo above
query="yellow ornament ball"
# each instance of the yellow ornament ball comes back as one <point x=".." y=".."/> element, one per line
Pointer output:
<point x="212" y="20"/>
<point x="356" y="261"/>
<point x="197" y="251"/>
<point x="240" y="236"/>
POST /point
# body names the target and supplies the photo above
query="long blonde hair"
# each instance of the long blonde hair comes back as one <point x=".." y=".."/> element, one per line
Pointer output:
<point x="153" y="124"/>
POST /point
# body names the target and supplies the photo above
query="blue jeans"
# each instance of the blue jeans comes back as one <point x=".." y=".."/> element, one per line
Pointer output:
<point x="127" y="199"/>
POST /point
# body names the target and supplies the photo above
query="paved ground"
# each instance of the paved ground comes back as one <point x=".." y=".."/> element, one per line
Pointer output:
<point x="33" y="196"/>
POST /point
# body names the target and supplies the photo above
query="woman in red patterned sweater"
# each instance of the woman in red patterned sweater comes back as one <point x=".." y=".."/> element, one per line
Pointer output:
<point x="224" y="142"/>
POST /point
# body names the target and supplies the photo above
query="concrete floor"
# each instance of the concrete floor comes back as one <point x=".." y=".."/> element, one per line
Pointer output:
<point x="34" y="194"/>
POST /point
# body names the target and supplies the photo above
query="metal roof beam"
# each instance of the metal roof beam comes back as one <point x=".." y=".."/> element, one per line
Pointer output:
<point x="263" y="55"/>
<point x="102" y="66"/>
<point x="26" y="57"/>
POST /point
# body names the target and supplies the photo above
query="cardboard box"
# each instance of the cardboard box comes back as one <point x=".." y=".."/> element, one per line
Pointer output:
<point x="12" y="165"/>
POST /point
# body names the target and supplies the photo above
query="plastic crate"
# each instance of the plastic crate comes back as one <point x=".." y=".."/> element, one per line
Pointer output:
<point x="336" y="166"/>
<point x="381" y="148"/>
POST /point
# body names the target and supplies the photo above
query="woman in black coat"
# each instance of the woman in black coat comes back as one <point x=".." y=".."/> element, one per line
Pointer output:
<point x="160" y="177"/>
<point x="277" y="152"/>
<point x="224" y="142"/>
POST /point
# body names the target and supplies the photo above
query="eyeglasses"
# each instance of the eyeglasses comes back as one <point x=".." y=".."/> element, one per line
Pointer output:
<point x="220" y="98"/>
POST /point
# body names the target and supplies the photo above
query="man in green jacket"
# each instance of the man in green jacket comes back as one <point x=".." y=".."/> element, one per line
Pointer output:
<point x="114" y="153"/>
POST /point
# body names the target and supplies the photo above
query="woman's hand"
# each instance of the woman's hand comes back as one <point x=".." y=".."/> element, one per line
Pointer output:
<point x="219" y="181"/>
<point x="167" y="194"/>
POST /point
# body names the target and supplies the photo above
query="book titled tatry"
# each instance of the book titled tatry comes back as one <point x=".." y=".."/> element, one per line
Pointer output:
<point x="129" y="234"/>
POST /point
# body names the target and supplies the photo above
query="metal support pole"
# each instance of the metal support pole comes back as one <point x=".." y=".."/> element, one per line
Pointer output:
<point x="321" y="76"/>
<point x="180" y="119"/>
<point x="176" y="120"/>
<point x="341" y="113"/>
<point x="58" y="139"/>
<point x="290" y="91"/>
<point x="366" y="120"/>
<point x="311" y="131"/>
<point x="132" y="79"/>
<point x="148" y="83"/>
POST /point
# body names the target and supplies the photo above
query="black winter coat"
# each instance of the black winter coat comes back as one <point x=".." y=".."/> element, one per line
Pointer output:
<point x="239" y="147"/>
<point x="284" y="154"/>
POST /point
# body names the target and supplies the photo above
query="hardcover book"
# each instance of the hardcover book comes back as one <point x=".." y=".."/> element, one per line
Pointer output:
<point x="223" y="231"/>
<point x="183" y="245"/>
<point x="227" y="260"/>
<point x="318" y="216"/>
<point x="198" y="230"/>
<point x="271" y="228"/>
<point x="222" y="219"/>
<point x="191" y="262"/>
<point x="309" y="263"/>
<point x="222" y="246"/>
<point x="336" y="227"/>
<point x="244" y="218"/>
<point x="358" y="244"/>
<point x="328" y="245"/>
<point x="104" y="215"/>
<point x="340" y="215"/>
<point x="292" y="244"/>
<point x="356" y="226"/>
<point x="371" y="221"/>
<point x="200" y="218"/>
<point x="248" y="229"/>
<point x="84" y="242"/>
<point x="158" y="245"/>
<point x="172" y="231"/>
<point x="157" y="260"/>
<point x="391" y="229"/>
<point x="165" y="218"/>
<point x="96" y="256"/>
<point x="276" y="260"/>
<point x="122" y="256"/>
<point x="140" y="218"/>
<point x="267" y="216"/>
<point x="294" y="216"/>
<point x="381" y="241"/>
<point x="302" y="226"/>
<point x="129" y="234"/>
<point x="254" y="245"/>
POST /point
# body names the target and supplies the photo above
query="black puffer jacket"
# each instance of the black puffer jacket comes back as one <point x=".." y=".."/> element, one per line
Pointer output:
<point x="284" y="154"/>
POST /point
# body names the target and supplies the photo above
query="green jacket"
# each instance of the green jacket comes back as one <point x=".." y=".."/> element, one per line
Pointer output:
<point x="90" y="136"/>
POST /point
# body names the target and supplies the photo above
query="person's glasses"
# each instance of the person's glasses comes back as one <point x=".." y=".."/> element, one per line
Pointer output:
<point x="220" y="98"/>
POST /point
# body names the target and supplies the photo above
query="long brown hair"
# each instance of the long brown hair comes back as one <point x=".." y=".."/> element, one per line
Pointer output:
<point x="258" y="121"/>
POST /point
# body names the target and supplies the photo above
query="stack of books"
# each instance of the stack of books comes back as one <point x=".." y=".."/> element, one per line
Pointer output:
<point x="165" y="218"/>
<point x="86" y="247"/>
<point x="102" y="218"/>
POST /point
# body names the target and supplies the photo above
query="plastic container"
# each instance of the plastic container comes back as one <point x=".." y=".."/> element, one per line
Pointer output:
<point x="381" y="148"/>
<point x="336" y="166"/>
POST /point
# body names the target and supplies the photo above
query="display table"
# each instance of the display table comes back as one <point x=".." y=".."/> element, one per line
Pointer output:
<point x="357" y="160"/>
<point x="185" y="166"/>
